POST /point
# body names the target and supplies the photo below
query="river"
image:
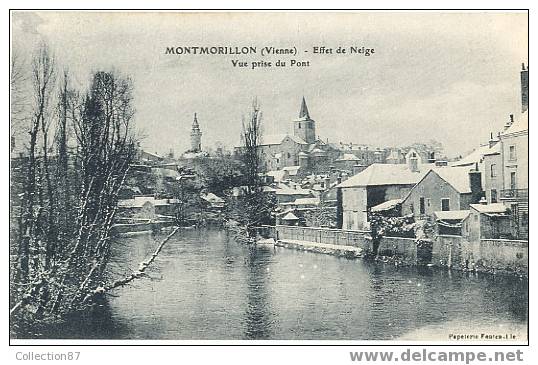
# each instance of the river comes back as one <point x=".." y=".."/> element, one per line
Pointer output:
<point x="204" y="285"/>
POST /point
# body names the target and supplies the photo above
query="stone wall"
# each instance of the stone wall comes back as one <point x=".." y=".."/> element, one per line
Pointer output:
<point x="402" y="249"/>
<point x="324" y="235"/>
<point x="486" y="255"/>
<point x="492" y="255"/>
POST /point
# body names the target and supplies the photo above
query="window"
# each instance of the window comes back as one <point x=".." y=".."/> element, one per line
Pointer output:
<point x="493" y="170"/>
<point x="299" y="125"/>
<point x="493" y="196"/>
<point x="422" y="206"/>
<point x="513" y="182"/>
<point x="445" y="204"/>
<point x="289" y="155"/>
<point x="512" y="153"/>
<point x="412" y="207"/>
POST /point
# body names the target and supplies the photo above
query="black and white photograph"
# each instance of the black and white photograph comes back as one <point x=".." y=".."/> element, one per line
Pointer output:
<point x="268" y="177"/>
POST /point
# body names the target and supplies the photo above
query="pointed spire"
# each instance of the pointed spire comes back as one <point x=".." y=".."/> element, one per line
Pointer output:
<point x="195" y="124"/>
<point x="304" y="110"/>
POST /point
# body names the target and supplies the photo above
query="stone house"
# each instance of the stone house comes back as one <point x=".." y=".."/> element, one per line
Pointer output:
<point x="285" y="194"/>
<point x="492" y="172"/>
<point x="443" y="189"/>
<point x="514" y="142"/>
<point x="487" y="221"/>
<point x="378" y="183"/>
<point x="146" y="207"/>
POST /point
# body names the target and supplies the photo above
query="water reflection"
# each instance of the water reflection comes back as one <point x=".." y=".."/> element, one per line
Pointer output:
<point x="205" y="286"/>
<point x="258" y="316"/>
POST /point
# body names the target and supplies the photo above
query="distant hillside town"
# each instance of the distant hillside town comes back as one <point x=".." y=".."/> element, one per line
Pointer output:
<point x="317" y="182"/>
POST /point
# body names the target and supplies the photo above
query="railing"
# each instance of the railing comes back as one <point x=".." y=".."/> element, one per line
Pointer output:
<point x="519" y="194"/>
<point x="322" y="235"/>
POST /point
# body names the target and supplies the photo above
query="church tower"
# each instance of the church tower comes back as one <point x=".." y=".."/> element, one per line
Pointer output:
<point x="304" y="127"/>
<point x="196" y="136"/>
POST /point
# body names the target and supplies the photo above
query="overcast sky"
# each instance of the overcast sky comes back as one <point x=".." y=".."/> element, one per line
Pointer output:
<point x="452" y="77"/>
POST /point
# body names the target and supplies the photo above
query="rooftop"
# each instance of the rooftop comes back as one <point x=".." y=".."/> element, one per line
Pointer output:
<point x="457" y="177"/>
<point x="272" y="139"/>
<point x="387" y="174"/>
<point x="477" y="155"/>
<point x="304" y="201"/>
<point x="519" y="125"/>
<point x="348" y="157"/>
<point x="490" y="208"/>
<point x="290" y="217"/>
<point x="449" y="215"/>
<point x="386" y="205"/>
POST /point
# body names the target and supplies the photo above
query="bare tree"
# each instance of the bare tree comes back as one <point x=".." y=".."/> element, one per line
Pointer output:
<point x="255" y="206"/>
<point x="70" y="196"/>
<point x="251" y="156"/>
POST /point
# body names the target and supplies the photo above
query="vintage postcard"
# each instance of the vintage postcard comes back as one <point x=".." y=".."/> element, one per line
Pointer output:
<point x="354" y="177"/>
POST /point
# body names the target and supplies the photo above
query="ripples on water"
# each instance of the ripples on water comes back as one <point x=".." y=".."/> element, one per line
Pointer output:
<point x="204" y="286"/>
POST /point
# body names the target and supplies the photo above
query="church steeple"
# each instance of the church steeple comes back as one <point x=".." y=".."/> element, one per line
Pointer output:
<point x="304" y="110"/>
<point x="304" y="127"/>
<point x="196" y="136"/>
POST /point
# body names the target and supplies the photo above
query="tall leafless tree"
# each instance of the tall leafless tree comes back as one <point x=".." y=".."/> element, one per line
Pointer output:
<point x="70" y="195"/>
<point x="256" y="206"/>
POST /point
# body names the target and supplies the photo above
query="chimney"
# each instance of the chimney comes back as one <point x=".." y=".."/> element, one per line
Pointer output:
<point x="413" y="164"/>
<point x="509" y="122"/>
<point x="524" y="88"/>
<point x="358" y="168"/>
<point x="492" y="141"/>
<point x="431" y="157"/>
<point x="475" y="184"/>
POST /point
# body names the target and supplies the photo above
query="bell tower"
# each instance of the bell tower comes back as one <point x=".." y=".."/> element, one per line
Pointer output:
<point x="196" y="136"/>
<point x="304" y="126"/>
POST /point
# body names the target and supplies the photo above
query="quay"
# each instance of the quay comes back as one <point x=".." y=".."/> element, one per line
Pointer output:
<point x="324" y="248"/>
<point x="449" y="251"/>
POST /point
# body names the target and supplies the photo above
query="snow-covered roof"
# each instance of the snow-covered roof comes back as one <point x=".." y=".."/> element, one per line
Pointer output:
<point x="160" y="171"/>
<point x="452" y="214"/>
<point x="519" y="125"/>
<point x="477" y="155"/>
<point x="318" y="151"/>
<point x="272" y="139"/>
<point x="394" y="155"/>
<point x="212" y="198"/>
<point x="457" y="177"/>
<point x="140" y="201"/>
<point x="386" y="205"/>
<point x="490" y="208"/>
<point x="290" y="217"/>
<point x="152" y="154"/>
<point x="268" y="189"/>
<point x="304" y="201"/>
<point x="278" y="175"/>
<point x="387" y="174"/>
<point x="348" y="157"/>
<point x="192" y="155"/>
<point x="290" y="191"/>
<point x="292" y="170"/>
